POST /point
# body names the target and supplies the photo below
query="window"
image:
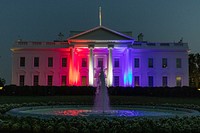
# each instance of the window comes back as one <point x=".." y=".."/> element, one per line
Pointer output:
<point x="35" y="80"/>
<point x="137" y="80"/>
<point x="100" y="62"/>
<point x="36" y="61"/>
<point x="164" y="62"/>
<point x="50" y="62"/>
<point x="116" y="62"/>
<point x="136" y="63"/>
<point x="50" y="80"/>
<point x="150" y="79"/>
<point x="21" y="80"/>
<point x="178" y="81"/>
<point x="64" y="62"/>
<point x="116" y="80"/>
<point x="150" y="62"/>
<point x="22" y="61"/>
<point x="64" y="80"/>
<point x="164" y="81"/>
<point x="84" y="81"/>
<point x="178" y="63"/>
<point x="84" y="62"/>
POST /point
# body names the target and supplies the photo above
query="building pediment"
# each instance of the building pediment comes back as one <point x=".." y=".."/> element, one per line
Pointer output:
<point x="100" y="34"/>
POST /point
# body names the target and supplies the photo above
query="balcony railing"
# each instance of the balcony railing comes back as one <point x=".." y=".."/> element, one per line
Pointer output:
<point x="27" y="44"/>
<point x="152" y="45"/>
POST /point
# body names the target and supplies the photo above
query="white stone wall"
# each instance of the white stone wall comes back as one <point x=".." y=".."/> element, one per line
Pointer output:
<point x="143" y="71"/>
<point x="157" y="71"/>
<point x="43" y="70"/>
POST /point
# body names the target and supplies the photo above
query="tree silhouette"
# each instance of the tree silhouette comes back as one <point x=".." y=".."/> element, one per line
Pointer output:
<point x="194" y="70"/>
<point x="60" y="36"/>
<point x="2" y="82"/>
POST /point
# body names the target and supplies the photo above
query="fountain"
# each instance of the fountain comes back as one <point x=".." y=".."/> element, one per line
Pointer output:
<point x="101" y="103"/>
<point x="101" y="108"/>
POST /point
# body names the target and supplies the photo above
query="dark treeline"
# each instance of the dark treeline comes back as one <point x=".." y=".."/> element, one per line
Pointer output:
<point x="90" y="91"/>
<point x="194" y="70"/>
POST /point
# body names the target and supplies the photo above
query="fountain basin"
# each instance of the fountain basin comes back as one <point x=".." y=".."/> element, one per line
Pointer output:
<point x="128" y="111"/>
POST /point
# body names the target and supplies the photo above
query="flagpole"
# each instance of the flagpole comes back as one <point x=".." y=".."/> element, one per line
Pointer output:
<point x="100" y="17"/>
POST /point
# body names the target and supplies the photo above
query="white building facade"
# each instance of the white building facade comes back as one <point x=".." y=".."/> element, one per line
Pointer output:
<point x="78" y="60"/>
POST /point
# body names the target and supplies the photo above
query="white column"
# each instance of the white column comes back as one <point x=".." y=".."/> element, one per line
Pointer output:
<point x="110" y="68"/>
<point x="71" y="67"/>
<point x="130" y="71"/>
<point x="91" y="68"/>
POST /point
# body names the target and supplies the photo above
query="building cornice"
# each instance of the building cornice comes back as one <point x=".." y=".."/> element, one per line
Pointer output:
<point x="100" y="41"/>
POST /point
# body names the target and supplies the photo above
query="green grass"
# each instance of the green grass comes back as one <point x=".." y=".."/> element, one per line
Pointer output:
<point x="89" y="100"/>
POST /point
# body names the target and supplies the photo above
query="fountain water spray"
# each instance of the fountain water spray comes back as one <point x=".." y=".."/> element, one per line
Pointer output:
<point x="101" y="103"/>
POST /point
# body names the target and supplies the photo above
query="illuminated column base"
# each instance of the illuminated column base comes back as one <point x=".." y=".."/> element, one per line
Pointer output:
<point x="128" y="72"/>
<point x="74" y="74"/>
<point x="71" y="67"/>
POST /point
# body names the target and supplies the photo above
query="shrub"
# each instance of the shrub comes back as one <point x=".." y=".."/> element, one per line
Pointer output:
<point x="36" y="128"/>
<point x="49" y="129"/>
<point x="163" y="128"/>
<point x="73" y="130"/>
<point x="16" y="127"/>
<point x="5" y="127"/>
<point x="61" y="129"/>
<point x="184" y="91"/>
<point x="26" y="127"/>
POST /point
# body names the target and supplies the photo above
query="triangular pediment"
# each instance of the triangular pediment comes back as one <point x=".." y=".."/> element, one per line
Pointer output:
<point x="100" y="34"/>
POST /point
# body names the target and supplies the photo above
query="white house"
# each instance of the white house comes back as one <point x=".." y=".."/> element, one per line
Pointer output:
<point x="78" y="60"/>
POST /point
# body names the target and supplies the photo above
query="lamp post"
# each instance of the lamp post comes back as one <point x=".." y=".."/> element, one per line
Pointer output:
<point x="2" y="81"/>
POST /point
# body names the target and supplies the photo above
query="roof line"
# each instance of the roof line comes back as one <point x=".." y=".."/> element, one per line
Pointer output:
<point x="90" y="30"/>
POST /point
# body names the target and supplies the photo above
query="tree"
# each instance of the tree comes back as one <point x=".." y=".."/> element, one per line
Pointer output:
<point x="194" y="70"/>
<point x="2" y="82"/>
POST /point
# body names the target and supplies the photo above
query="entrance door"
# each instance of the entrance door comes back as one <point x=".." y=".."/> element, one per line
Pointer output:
<point x="84" y="81"/>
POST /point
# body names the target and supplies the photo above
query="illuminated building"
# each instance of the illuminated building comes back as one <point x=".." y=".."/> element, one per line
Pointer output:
<point x="78" y="60"/>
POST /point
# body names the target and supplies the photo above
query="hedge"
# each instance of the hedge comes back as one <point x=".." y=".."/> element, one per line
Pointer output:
<point x="11" y="90"/>
<point x="96" y="125"/>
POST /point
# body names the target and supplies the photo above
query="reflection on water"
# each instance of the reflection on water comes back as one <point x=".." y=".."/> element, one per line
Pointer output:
<point x="71" y="112"/>
<point x="62" y="111"/>
<point x="75" y="112"/>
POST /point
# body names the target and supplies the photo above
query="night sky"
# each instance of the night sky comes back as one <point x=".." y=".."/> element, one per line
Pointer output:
<point x="42" y="20"/>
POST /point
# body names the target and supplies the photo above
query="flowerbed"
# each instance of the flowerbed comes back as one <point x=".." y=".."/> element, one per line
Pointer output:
<point x="84" y="125"/>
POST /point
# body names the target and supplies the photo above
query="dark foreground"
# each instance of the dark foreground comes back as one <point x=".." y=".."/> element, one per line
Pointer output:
<point x="105" y="125"/>
<point x="115" y="100"/>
